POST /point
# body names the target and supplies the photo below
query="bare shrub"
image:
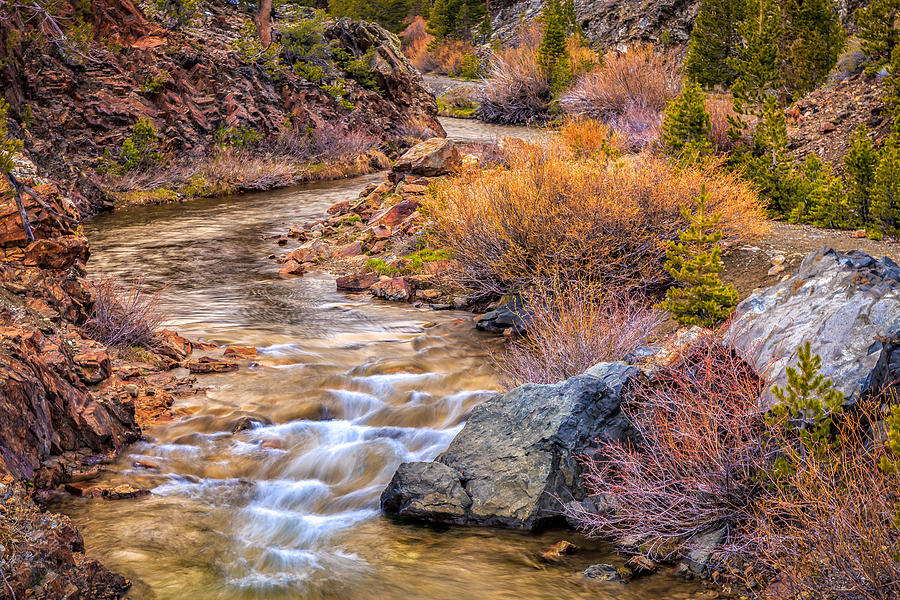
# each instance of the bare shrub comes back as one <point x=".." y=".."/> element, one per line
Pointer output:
<point x="416" y="130"/>
<point x="629" y="91"/>
<point x="516" y="89"/>
<point x="721" y="109"/>
<point x="231" y="169"/>
<point x="123" y="315"/>
<point x="572" y="327"/>
<point x="694" y="470"/>
<point x="828" y="529"/>
<point x="328" y="143"/>
<point x="550" y="215"/>
<point x="415" y="40"/>
<point x="490" y="154"/>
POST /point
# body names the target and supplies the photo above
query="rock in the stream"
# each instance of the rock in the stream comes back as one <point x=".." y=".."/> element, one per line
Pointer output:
<point x="514" y="463"/>
<point x="847" y="305"/>
<point x="513" y="315"/>
<point x="603" y="572"/>
<point x="433" y="157"/>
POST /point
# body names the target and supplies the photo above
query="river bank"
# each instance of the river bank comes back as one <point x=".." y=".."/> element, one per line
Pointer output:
<point x="342" y="391"/>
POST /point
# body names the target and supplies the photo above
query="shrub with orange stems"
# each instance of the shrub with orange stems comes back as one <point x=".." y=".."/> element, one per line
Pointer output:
<point x="547" y="214"/>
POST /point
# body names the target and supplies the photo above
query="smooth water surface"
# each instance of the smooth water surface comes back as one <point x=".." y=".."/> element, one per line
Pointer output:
<point x="345" y="389"/>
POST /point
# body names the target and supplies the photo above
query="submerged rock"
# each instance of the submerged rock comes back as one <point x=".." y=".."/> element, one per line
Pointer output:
<point x="515" y="462"/>
<point x="846" y="304"/>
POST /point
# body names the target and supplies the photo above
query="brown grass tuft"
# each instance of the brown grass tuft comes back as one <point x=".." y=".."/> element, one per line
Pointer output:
<point x="549" y="215"/>
<point x="572" y="327"/>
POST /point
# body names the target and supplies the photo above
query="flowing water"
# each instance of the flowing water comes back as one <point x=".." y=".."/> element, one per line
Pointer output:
<point x="344" y="389"/>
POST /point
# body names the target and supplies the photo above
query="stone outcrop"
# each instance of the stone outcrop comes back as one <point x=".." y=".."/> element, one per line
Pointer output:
<point x="190" y="82"/>
<point x="515" y="462"/>
<point x="43" y="555"/>
<point x="846" y="304"/>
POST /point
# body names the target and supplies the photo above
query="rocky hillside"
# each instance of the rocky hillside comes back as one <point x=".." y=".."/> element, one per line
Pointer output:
<point x="80" y="78"/>
<point x="618" y="23"/>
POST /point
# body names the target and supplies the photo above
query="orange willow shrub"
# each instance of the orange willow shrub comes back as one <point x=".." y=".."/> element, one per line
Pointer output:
<point x="551" y="216"/>
<point x="572" y="327"/>
<point x="828" y="529"/>
<point x="589" y="137"/>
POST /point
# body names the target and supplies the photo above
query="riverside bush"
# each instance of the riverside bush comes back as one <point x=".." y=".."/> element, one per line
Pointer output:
<point x="572" y="327"/>
<point x="694" y="470"/>
<point x="548" y="214"/>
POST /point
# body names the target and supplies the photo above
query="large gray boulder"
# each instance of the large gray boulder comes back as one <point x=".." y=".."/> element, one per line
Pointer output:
<point x="847" y="305"/>
<point x="515" y="462"/>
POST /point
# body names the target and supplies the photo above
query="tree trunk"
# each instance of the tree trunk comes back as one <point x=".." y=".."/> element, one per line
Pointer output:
<point x="262" y="19"/>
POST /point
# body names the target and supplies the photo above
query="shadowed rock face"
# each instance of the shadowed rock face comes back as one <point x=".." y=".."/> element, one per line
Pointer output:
<point x="515" y="461"/>
<point x="847" y="305"/>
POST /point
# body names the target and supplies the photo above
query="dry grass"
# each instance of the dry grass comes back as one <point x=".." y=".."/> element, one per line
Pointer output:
<point x="123" y="315"/>
<point x="694" y="470"/>
<point x="549" y="216"/>
<point x="828" y="530"/>
<point x="629" y="92"/>
<point x="572" y="327"/>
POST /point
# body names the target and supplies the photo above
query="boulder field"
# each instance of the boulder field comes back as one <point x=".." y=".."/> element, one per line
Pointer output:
<point x="514" y="464"/>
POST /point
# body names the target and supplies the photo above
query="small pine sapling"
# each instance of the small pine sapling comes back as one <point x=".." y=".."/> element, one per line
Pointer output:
<point x="860" y="164"/>
<point x="805" y="409"/>
<point x="686" y="125"/>
<point x="886" y="187"/>
<point x="700" y="298"/>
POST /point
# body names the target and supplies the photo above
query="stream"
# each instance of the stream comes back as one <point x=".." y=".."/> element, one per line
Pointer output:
<point x="345" y="389"/>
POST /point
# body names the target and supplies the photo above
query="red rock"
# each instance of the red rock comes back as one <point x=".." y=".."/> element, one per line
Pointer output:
<point x="172" y="345"/>
<point x="413" y="189"/>
<point x="58" y="253"/>
<point x="240" y="352"/>
<point x="827" y="127"/>
<point x="340" y="208"/>
<point x="858" y="233"/>
<point x="201" y="345"/>
<point x="394" y="215"/>
<point x="396" y="289"/>
<point x="282" y="241"/>
<point x="350" y="250"/>
<point x="210" y="365"/>
<point x="291" y="268"/>
<point x="92" y="365"/>
<point x="123" y="492"/>
<point x="356" y="283"/>
<point x="435" y="156"/>
<point x="84" y="489"/>
<point x="641" y="565"/>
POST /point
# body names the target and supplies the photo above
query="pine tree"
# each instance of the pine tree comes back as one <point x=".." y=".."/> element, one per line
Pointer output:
<point x="892" y="87"/>
<point x="686" y="125"/>
<point x="758" y="65"/>
<point x="823" y="201"/>
<point x="879" y="31"/>
<point x="455" y="19"/>
<point x="700" y="298"/>
<point x="860" y="164"/>
<point x="570" y="19"/>
<point x="553" y="54"/>
<point x="886" y="187"/>
<point x="812" y="41"/>
<point x="808" y="402"/>
<point x="485" y="29"/>
<point x="714" y="42"/>
<point x="767" y="163"/>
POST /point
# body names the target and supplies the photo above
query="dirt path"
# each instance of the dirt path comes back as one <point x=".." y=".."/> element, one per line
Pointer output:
<point x="748" y="267"/>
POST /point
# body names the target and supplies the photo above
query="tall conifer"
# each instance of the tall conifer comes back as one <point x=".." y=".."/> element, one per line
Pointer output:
<point x="714" y="42"/>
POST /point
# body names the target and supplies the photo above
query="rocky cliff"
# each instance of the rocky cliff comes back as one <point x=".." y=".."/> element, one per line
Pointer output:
<point x="79" y="78"/>
<point x="620" y="23"/>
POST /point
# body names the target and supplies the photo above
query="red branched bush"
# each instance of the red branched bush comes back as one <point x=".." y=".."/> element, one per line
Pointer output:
<point x="123" y="315"/>
<point x="694" y="469"/>
<point x="415" y="40"/>
<point x="828" y="529"/>
<point x="572" y="327"/>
